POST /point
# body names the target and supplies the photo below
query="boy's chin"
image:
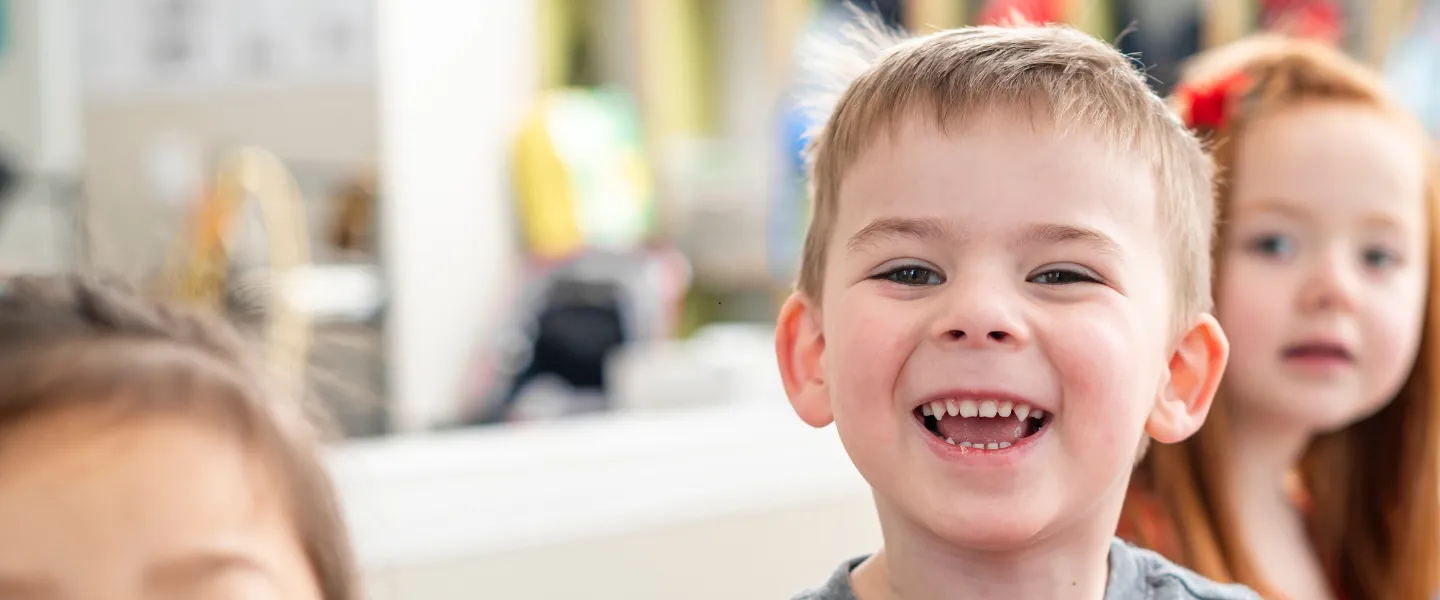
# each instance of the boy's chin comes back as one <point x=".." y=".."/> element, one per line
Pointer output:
<point x="994" y="528"/>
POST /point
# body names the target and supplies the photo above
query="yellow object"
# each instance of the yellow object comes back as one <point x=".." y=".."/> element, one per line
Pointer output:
<point x="544" y="190"/>
<point x="925" y="16"/>
<point x="787" y="20"/>
<point x="555" y="34"/>
<point x="1095" y="17"/>
<point x="677" y="61"/>
<point x="1229" y="20"/>
<point x="199" y="266"/>
<point x="1388" y="20"/>
<point x="580" y="175"/>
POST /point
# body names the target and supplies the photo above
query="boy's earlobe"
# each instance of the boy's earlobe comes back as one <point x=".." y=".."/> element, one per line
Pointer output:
<point x="800" y="350"/>
<point x="1195" y="370"/>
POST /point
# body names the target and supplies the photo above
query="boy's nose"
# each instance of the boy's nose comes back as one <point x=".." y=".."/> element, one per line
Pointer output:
<point x="981" y="323"/>
<point x="997" y="336"/>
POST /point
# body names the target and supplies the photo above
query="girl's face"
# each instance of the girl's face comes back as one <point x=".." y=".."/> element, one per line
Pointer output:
<point x="96" y="508"/>
<point x="1324" y="272"/>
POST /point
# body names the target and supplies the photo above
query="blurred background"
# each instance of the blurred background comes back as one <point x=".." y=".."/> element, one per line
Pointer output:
<point x="528" y="251"/>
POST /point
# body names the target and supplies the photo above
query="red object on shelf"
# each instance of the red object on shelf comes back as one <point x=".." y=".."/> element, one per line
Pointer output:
<point x="1007" y="12"/>
<point x="1321" y="20"/>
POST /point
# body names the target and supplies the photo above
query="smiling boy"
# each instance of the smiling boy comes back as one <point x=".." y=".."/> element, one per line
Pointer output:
<point x="1003" y="297"/>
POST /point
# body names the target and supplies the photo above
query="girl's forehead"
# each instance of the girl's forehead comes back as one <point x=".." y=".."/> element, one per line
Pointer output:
<point x="1325" y="129"/>
<point x="145" y="463"/>
<point x="169" y="501"/>
<point x="1331" y="158"/>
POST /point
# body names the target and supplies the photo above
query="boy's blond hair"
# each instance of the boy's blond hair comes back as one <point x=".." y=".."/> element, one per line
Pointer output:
<point x="871" y="77"/>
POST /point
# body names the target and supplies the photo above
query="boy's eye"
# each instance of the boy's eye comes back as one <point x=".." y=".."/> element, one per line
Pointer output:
<point x="1273" y="245"/>
<point x="916" y="276"/>
<point x="1062" y="277"/>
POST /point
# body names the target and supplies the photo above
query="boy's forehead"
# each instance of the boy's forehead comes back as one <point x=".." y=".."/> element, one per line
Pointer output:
<point x="1009" y="166"/>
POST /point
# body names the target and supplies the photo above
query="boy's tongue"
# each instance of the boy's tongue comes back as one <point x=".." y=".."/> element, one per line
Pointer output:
<point x="981" y="430"/>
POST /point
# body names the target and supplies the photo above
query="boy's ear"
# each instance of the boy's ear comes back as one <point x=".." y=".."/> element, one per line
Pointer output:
<point x="800" y="350"/>
<point x="1194" y="376"/>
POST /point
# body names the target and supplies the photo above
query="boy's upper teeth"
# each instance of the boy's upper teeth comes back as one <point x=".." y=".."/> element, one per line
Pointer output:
<point x="985" y="409"/>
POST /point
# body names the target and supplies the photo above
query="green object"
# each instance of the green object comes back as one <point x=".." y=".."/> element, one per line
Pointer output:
<point x="596" y="133"/>
<point x="581" y="177"/>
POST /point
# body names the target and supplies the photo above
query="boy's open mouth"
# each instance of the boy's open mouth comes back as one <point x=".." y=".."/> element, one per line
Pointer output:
<point x="988" y="424"/>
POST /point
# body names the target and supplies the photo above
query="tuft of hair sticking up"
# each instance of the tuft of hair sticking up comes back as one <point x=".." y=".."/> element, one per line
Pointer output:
<point x="831" y="61"/>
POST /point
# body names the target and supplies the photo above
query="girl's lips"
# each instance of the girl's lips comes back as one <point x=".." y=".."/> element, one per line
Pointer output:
<point x="1322" y="358"/>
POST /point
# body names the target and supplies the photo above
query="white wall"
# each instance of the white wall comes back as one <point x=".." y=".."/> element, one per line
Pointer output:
<point x="40" y="127"/>
<point x="60" y="88"/>
<point x="79" y="98"/>
<point x="21" y="244"/>
<point x="20" y="79"/>
<point x="455" y="80"/>
<point x="450" y="82"/>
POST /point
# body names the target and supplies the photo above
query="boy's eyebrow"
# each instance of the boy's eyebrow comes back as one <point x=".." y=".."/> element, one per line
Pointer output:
<point x="916" y="228"/>
<point x="931" y="228"/>
<point x="1052" y="234"/>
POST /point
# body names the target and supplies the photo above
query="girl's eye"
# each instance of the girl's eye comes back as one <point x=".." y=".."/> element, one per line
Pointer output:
<point x="1062" y="277"/>
<point x="1273" y="245"/>
<point x="1380" y="258"/>
<point x="913" y="276"/>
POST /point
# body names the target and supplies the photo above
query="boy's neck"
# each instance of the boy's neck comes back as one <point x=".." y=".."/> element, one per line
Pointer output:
<point x="917" y="565"/>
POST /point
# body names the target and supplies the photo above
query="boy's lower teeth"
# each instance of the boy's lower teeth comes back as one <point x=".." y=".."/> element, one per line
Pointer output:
<point x="984" y="445"/>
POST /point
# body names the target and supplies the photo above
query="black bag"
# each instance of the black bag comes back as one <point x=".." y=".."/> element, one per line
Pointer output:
<point x="576" y="328"/>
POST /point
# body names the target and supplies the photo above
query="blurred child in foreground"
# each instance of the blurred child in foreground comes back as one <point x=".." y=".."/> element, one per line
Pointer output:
<point x="144" y="453"/>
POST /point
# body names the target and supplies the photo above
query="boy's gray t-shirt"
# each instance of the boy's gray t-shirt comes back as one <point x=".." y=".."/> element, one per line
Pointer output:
<point x="1135" y="574"/>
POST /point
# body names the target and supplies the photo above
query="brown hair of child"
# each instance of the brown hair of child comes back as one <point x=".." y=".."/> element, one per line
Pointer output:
<point x="73" y="342"/>
<point x="1375" y="485"/>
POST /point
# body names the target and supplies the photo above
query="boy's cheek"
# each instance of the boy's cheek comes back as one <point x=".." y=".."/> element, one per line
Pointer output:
<point x="1108" y="388"/>
<point x="865" y="355"/>
<point x="865" y="362"/>
<point x="870" y="336"/>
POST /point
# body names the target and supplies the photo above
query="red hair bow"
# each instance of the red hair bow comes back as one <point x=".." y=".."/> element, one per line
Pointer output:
<point x="1211" y="105"/>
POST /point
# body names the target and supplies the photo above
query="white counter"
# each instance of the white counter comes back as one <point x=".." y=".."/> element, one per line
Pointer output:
<point x="442" y="513"/>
